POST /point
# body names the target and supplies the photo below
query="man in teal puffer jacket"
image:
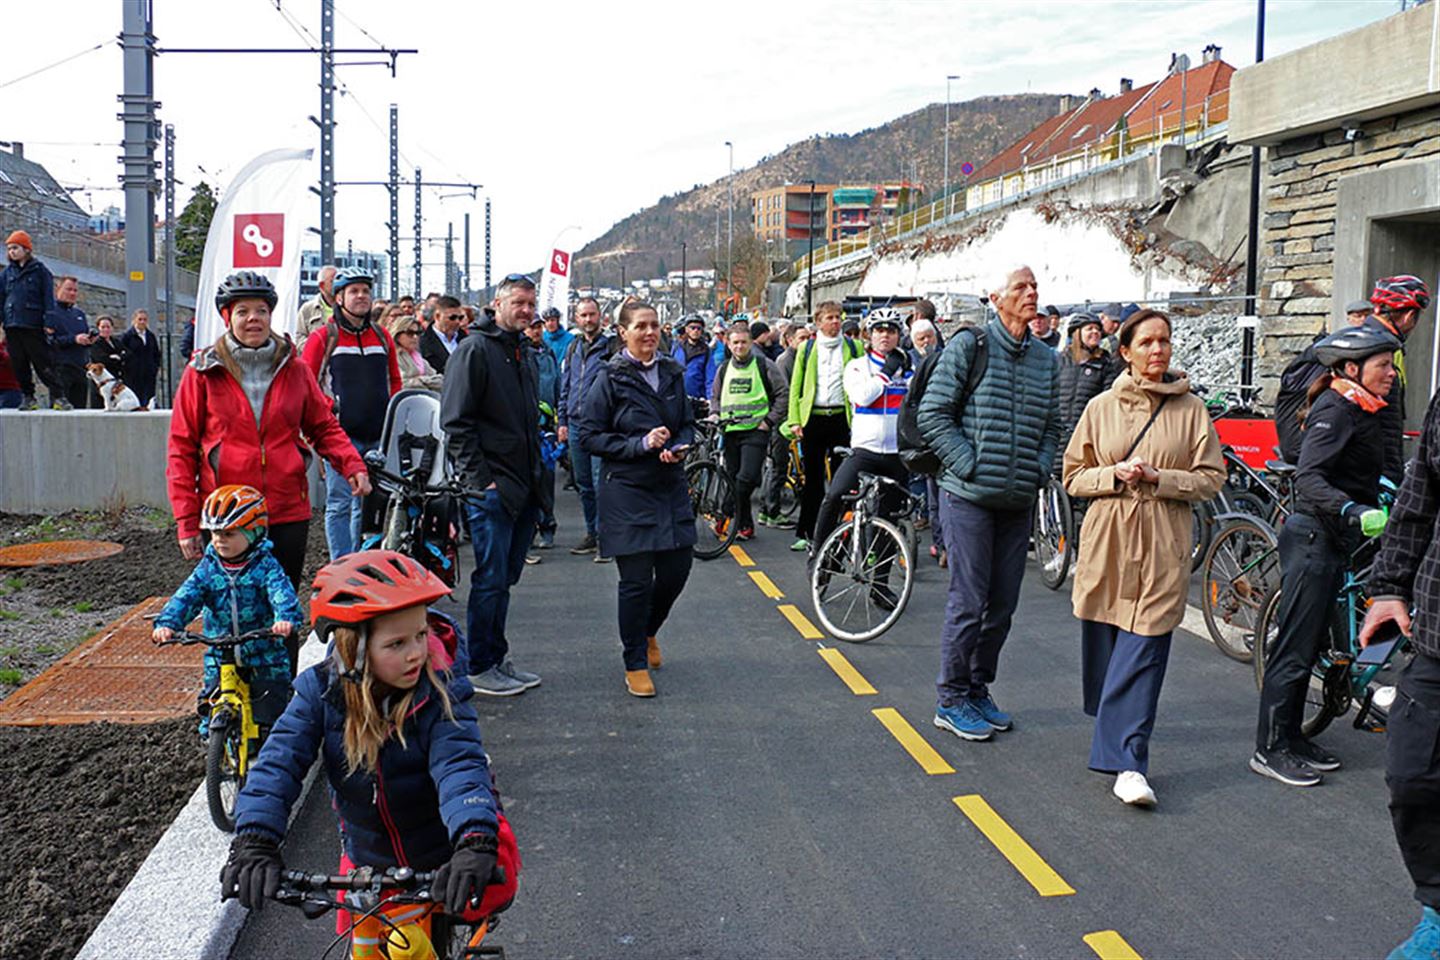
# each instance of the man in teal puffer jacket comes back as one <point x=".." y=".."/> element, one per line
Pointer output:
<point x="996" y="446"/>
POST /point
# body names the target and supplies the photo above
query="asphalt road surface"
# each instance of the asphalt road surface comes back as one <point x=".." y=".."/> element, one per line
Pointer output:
<point x="759" y="808"/>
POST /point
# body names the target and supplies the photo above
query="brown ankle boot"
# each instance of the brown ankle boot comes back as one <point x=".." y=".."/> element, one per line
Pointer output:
<point x="652" y="652"/>
<point x="638" y="683"/>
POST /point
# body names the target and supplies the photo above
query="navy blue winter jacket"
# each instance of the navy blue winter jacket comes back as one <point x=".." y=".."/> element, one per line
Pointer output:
<point x="67" y="322"/>
<point x="699" y="363"/>
<point x="27" y="294"/>
<point x="998" y="445"/>
<point x="421" y="799"/>
<point x="582" y="361"/>
<point x="644" y="504"/>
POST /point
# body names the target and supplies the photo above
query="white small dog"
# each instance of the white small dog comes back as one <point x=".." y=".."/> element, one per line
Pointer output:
<point x="116" y="395"/>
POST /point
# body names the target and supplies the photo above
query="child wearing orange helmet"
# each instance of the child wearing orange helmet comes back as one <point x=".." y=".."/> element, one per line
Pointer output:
<point x="241" y="588"/>
<point x="398" y="740"/>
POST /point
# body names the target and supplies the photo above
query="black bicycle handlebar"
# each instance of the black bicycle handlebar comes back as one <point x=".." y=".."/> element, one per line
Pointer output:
<point x="415" y="487"/>
<point x="185" y="638"/>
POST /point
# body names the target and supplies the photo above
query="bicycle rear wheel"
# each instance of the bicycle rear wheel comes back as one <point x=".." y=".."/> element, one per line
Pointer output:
<point x="223" y="776"/>
<point x="1051" y="531"/>
<point x="861" y="580"/>
<point x="1240" y="567"/>
<point x="713" y="500"/>
<point x="1327" y="692"/>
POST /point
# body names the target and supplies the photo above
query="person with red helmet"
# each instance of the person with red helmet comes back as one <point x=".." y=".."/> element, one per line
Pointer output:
<point x="248" y="412"/>
<point x="399" y="741"/>
<point x="241" y="588"/>
<point x="1398" y="302"/>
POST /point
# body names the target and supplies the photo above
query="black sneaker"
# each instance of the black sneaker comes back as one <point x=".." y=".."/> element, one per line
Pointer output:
<point x="1284" y="766"/>
<point x="1315" y="756"/>
<point x="588" y="545"/>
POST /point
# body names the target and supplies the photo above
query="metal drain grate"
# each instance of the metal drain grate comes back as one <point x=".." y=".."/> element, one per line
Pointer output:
<point x="118" y="676"/>
<point x="51" y="552"/>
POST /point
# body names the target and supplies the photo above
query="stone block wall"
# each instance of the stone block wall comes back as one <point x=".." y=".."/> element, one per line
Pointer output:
<point x="1297" y="248"/>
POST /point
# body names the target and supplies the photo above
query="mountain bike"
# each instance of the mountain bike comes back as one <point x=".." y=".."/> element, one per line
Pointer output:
<point x="234" y="734"/>
<point x="1344" y="673"/>
<point x="865" y="570"/>
<point x="371" y="898"/>
<point x="712" y="497"/>
<point x="791" y="484"/>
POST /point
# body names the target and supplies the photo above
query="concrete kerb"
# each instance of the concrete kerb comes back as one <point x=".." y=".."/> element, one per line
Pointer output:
<point x="171" y="908"/>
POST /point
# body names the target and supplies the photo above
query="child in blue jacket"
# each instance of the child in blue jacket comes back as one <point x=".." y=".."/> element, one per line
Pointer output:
<point x="399" y="743"/>
<point x="241" y="588"/>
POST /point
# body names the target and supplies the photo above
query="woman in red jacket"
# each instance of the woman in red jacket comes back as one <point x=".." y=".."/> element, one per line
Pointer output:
<point x="247" y="412"/>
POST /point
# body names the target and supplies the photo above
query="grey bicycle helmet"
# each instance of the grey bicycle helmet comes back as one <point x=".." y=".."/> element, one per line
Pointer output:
<point x="347" y="276"/>
<point x="1078" y="321"/>
<point x="1356" y="344"/>
<point x="247" y="284"/>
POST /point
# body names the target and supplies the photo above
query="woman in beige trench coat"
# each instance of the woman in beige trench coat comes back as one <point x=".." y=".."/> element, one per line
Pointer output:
<point x="1134" y="564"/>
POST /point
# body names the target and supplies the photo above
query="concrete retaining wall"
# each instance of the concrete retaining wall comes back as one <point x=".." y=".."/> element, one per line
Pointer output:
<point x="81" y="460"/>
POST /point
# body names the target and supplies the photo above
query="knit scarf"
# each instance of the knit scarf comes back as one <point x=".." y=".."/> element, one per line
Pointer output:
<point x="257" y="369"/>
<point x="1357" y="394"/>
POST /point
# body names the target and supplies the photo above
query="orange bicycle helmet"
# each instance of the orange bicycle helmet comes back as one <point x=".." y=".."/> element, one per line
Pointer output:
<point x="235" y="507"/>
<point x="360" y="586"/>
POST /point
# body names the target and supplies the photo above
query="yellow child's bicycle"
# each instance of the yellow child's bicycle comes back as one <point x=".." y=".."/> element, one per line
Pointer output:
<point x="235" y="733"/>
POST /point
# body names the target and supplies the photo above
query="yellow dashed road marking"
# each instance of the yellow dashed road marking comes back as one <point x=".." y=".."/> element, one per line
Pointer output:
<point x="1021" y="855"/>
<point x="741" y="557"/>
<point x="766" y="585"/>
<point x="800" y="622"/>
<point x="846" y="671"/>
<point x="1109" y="945"/>
<point x="923" y="754"/>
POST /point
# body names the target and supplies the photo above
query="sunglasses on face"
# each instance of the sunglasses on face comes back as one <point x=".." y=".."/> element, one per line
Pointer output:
<point x="454" y="316"/>
<point x="522" y="278"/>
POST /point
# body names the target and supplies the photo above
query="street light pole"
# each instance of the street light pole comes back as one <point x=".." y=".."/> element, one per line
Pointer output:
<point x="1252" y="240"/>
<point x="810" y="255"/>
<point x="730" y="228"/>
<point x="684" y="279"/>
<point x="945" y="190"/>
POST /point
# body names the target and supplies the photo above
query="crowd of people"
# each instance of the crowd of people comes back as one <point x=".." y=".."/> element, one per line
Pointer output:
<point x="1091" y="397"/>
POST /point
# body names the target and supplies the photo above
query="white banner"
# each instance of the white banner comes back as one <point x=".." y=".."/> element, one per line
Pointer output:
<point x="258" y="226"/>
<point x="555" y="284"/>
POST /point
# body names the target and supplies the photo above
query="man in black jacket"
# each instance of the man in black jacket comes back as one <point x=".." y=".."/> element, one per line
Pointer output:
<point x="490" y="411"/>
<point x="439" y="341"/>
<point x="67" y="330"/>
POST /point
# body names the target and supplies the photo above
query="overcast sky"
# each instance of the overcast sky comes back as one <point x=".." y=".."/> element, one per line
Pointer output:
<point x="578" y="114"/>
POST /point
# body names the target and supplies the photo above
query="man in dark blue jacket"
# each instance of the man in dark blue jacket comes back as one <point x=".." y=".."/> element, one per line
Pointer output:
<point x="68" y="331"/>
<point x="583" y="360"/>
<point x="27" y="294"/>
<point x="489" y="411"/>
<point x="996" y="445"/>
<point x="692" y="352"/>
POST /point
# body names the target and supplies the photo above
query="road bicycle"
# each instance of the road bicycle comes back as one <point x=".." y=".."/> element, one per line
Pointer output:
<point x="234" y="733"/>
<point x="367" y="895"/>
<point x="862" y="575"/>
<point x="1345" y="673"/>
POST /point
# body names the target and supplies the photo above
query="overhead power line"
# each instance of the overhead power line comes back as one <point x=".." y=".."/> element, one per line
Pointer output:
<point x="57" y="63"/>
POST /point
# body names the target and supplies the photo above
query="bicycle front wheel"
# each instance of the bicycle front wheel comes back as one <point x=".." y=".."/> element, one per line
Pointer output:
<point x="223" y="776"/>
<point x="1327" y="690"/>
<point x="1051" y="531"/>
<point x="861" y="580"/>
<point x="713" y="500"/>
<point x="1239" y="569"/>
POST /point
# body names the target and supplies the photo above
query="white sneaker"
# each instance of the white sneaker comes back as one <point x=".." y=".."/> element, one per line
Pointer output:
<point x="1132" y="788"/>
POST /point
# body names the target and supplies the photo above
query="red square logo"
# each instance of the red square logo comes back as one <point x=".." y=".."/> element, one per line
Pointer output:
<point x="259" y="240"/>
<point x="560" y="263"/>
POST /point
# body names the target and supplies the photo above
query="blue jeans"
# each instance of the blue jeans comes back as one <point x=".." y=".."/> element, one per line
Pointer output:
<point x="500" y="542"/>
<point x="11" y="399"/>
<point x="342" y="509"/>
<point x="1121" y="673"/>
<point x="987" y="563"/>
<point x="586" y="470"/>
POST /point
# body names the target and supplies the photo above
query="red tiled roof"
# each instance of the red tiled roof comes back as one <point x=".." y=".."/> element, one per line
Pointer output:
<point x="1095" y="119"/>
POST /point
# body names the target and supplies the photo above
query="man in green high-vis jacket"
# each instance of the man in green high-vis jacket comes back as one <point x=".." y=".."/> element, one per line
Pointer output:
<point x="750" y="395"/>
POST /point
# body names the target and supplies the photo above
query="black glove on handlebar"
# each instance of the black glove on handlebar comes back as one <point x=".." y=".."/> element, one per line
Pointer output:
<point x="467" y="873"/>
<point x="252" y="873"/>
<point x="895" y="361"/>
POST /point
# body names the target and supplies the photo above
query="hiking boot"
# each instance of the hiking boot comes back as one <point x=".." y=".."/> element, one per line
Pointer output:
<point x="494" y="683"/>
<point x="1132" y="788"/>
<point x="1424" y="943"/>
<point x="1315" y="756"/>
<point x="588" y="545"/>
<point x="1284" y="766"/>
<point x="652" y="653"/>
<point x="798" y="545"/>
<point x="964" y="721"/>
<point x="990" y="713"/>
<point x="525" y="678"/>
<point x="639" y="684"/>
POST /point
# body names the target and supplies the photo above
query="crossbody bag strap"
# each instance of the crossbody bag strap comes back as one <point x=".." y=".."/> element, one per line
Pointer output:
<point x="1146" y="429"/>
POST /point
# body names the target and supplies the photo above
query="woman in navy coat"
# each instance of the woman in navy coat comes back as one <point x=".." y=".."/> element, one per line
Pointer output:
<point x="637" y="419"/>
